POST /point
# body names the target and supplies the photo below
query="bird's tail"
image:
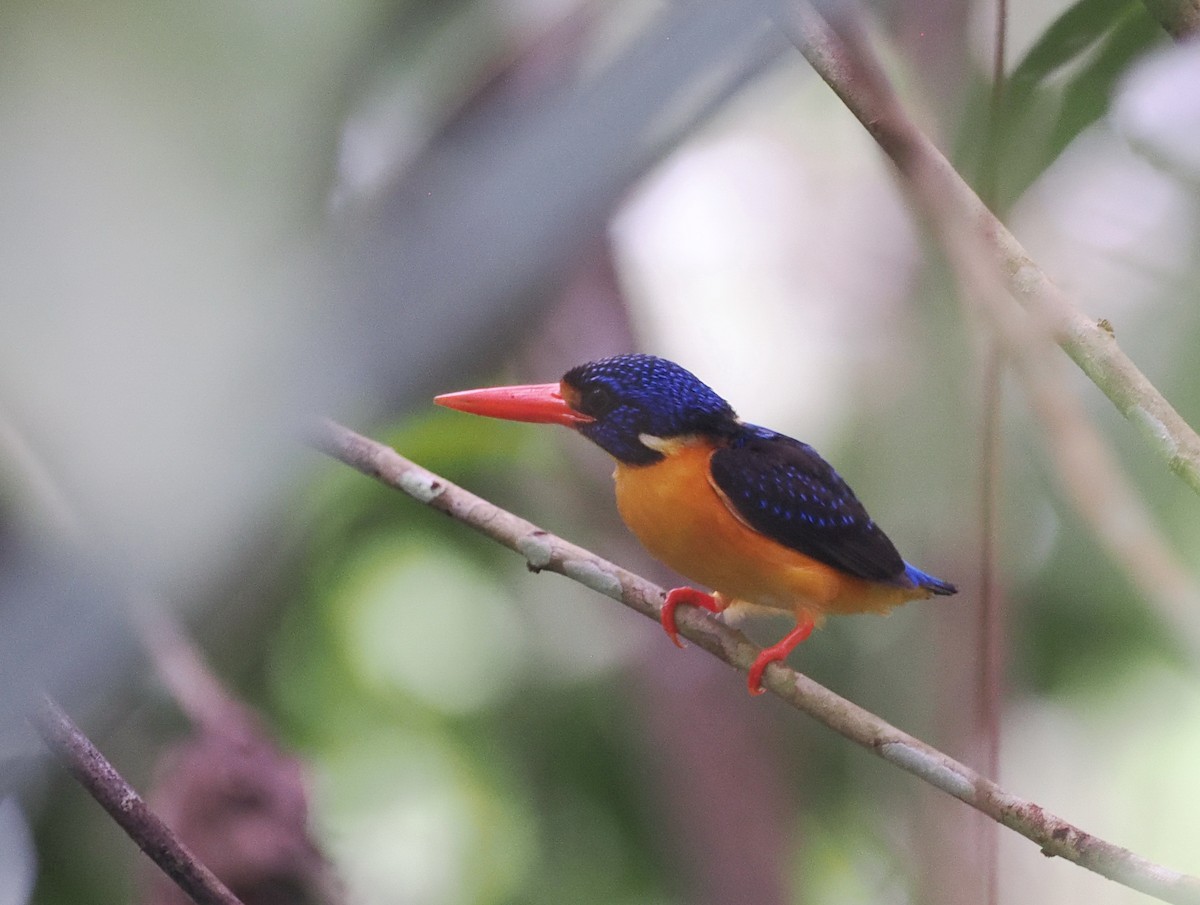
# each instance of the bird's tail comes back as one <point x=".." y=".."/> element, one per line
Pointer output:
<point x="929" y="582"/>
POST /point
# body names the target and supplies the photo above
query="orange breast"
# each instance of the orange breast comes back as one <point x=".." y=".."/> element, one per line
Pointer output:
<point x="682" y="519"/>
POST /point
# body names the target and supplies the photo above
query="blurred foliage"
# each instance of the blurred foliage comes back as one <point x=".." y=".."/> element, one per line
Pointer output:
<point x="1113" y="634"/>
<point x="478" y="735"/>
<point x="1062" y="84"/>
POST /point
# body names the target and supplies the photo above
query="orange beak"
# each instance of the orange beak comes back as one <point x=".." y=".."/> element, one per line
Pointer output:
<point x="541" y="403"/>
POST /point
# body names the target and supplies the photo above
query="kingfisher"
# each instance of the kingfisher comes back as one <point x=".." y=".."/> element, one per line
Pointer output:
<point x="756" y="516"/>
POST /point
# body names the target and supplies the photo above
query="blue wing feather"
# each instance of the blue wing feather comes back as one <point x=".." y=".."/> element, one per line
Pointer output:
<point x="925" y="580"/>
<point x="784" y="489"/>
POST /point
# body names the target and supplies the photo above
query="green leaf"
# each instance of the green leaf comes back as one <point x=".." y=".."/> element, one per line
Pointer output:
<point x="1045" y="107"/>
<point x="1068" y="36"/>
<point x="1088" y="94"/>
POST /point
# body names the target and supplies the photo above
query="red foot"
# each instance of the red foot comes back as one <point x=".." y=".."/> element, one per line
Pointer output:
<point x="690" y="596"/>
<point x="777" y="652"/>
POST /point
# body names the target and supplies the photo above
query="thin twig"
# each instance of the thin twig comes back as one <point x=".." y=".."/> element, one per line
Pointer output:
<point x="991" y="602"/>
<point x="980" y="249"/>
<point x="181" y="668"/>
<point x="991" y="594"/>
<point x="932" y="178"/>
<point x="999" y="55"/>
<point x="195" y="688"/>
<point x="85" y="762"/>
<point x="545" y="551"/>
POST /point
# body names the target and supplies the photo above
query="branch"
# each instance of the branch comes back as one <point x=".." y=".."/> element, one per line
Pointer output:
<point x="229" y="775"/>
<point x="978" y="248"/>
<point x="545" y="551"/>
<point x="945" y="198"/>
<point x="192" y="684"/>
<point x="85" y="762"/>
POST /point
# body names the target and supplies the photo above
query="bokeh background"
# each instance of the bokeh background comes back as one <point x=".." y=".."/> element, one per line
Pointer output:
<point x="219" y="220"/>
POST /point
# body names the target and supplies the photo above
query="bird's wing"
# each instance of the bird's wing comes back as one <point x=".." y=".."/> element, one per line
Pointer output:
<point x="783" y="489"/>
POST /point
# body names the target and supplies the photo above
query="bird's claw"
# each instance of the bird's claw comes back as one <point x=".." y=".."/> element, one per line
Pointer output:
<point x="759" y="666"/>
<point x="690" y="596"/>
<point x="777" y="652"/>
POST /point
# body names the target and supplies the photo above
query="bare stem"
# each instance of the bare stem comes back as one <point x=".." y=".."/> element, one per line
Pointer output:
<point x="991" y="600"/>
<point x="840" y="58"/>
<point x="93" y="771"/>
<point x="545" y="551"/>
<point x="993" y="269"/>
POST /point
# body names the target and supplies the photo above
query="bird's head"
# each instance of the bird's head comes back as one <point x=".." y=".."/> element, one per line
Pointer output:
<point x="629" y="405"/>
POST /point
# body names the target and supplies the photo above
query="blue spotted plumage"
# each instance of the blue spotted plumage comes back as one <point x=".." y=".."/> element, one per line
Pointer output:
<point x="632" y="395"/>
<point x="784" y="489"/>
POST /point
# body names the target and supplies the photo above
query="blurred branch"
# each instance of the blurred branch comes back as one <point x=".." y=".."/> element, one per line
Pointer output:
<point x="229" y="775"/>
<point x="85" y="762"/>
<point x="194" y="687"/>
<point x="841" y="59"/>
<point x="1086" y="467"/>
<point x="992" y="268"/>
<point x="991" y="593"/>
<point x="545" y="551"/>
<point x="1180" y="18"/>
<point x="239" y="800"/>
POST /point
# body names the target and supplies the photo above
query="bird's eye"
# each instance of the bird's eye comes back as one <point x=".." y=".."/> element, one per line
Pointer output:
<point x="598" y="400"/>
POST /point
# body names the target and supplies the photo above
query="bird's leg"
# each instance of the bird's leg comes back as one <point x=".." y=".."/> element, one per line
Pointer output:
<point x="779" y="651"/>
<point x="690" y="596"/>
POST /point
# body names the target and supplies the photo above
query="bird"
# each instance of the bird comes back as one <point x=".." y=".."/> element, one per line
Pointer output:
<point x="756" y="516"/>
